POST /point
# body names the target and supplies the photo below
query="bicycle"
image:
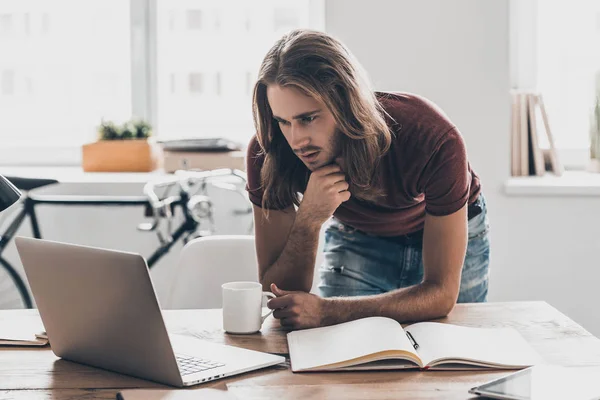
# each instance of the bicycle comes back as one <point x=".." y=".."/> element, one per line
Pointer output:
<point x="191" y="199"/>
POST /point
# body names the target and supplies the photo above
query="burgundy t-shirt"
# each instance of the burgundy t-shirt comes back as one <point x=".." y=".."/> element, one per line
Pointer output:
<point x="425" y="171"/>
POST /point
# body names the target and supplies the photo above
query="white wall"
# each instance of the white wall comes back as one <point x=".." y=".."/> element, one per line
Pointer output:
<point x="457" y="54"/>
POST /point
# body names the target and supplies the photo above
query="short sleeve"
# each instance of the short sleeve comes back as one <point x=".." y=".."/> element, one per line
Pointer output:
<point x="446" y="178"/>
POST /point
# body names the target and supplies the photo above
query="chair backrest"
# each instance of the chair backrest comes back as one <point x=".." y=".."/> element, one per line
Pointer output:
<point x="208" y="262"/>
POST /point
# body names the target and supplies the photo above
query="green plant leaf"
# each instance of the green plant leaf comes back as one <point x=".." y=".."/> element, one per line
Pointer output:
<point x="132" y="129"/>
<point x="108" y="131"/>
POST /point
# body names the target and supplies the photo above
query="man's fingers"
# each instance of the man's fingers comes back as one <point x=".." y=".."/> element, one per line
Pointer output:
<point x="284" y="313"/>
<point x="328" y="169"/>
<point x="341" y="186"/>
<point x="289" y="322"/>
<point x="334" y="178"/>
<point x="279" y="292"/>
<point x="279" y="302"/>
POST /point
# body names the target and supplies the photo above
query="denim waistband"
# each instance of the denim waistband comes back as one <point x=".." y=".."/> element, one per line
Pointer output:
<point x="473" y="210"/>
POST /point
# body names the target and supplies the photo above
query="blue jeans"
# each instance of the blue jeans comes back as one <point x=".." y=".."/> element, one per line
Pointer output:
<point x="358" y="264"/>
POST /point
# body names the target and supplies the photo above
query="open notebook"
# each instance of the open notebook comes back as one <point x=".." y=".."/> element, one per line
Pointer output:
<point x="29" y="332"/>
<point x="382" y="343"/>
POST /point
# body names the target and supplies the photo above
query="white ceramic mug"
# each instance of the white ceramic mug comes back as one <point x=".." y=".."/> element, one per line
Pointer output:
<point x="242" y="306"/>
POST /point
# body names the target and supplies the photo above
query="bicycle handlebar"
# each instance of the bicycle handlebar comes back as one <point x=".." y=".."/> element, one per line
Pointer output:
<point x="191" y="196"/>
<point x="185" y="178"/>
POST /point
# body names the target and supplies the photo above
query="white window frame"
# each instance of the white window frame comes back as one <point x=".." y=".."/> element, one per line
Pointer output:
<point x="143" y="60"/>
<point x="144" y="86"/>
<point x="523" y="66"/>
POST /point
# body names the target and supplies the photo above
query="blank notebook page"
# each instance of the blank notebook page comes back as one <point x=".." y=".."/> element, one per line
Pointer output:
<point x="495" y="346"/>
<point x="346" y="341"/>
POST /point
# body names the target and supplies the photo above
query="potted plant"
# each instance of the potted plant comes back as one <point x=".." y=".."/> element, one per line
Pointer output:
<point x="125" y="148"/>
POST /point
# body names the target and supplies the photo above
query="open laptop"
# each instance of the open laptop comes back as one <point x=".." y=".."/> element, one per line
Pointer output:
<point x="99" y="308"/>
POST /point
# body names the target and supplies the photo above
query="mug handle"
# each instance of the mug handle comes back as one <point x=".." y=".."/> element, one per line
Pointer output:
<point x="268" y="295"/>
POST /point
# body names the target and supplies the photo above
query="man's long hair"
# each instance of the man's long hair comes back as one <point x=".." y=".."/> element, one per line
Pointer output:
<point x="322" y="68"/>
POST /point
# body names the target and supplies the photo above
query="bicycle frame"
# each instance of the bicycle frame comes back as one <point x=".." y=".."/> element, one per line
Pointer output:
<point x="150" y="200"/>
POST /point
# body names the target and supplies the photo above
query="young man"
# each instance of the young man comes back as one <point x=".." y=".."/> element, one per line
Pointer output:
<point x="409" y="233"/>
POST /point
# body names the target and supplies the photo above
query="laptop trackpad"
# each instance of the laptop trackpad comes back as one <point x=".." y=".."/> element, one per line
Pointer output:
<point x="233" y="357"/>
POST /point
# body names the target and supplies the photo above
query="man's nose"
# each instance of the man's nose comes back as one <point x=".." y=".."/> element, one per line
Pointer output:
<point x="300" y="138"/>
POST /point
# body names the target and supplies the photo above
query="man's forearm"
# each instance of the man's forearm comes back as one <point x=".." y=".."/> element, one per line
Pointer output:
<point x="416" y="303"/>
<point x="294" y="268"/>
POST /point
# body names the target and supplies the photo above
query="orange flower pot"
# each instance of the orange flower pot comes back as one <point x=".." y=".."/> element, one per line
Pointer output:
<point x="128" y="155"/>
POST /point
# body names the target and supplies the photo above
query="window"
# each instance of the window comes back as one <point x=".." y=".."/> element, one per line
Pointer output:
<point x="195" y="85"/>
<point x="186" y="65"/>
<point x="568" y="65"/>
<point x="556" y="49"/>
<point x="220" y="49"/>
<point x="194" y="19"/>
<point x="65" y="66"/>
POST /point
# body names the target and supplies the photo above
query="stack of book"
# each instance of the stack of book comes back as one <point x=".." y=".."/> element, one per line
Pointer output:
<point x="203" y="154"/>
<point x="533" y="150"/>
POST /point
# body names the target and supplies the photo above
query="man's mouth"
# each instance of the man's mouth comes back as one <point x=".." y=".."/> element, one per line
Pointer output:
<point x="309" y="156"/>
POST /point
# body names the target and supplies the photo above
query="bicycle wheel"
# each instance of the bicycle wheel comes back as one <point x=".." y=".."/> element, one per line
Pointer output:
<point x="9" y="294"/>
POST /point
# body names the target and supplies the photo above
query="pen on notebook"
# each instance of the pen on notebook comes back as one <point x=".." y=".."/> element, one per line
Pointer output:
<point x="412" y="339"/>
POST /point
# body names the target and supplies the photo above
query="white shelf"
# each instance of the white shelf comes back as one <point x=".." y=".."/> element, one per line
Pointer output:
<point x="571" y="183"/>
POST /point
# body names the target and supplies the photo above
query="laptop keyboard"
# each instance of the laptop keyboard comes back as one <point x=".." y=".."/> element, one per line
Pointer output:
<point x="191" y="365"/>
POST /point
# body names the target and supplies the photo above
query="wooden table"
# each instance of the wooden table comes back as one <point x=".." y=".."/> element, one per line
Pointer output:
<point x="37" y="373"/>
